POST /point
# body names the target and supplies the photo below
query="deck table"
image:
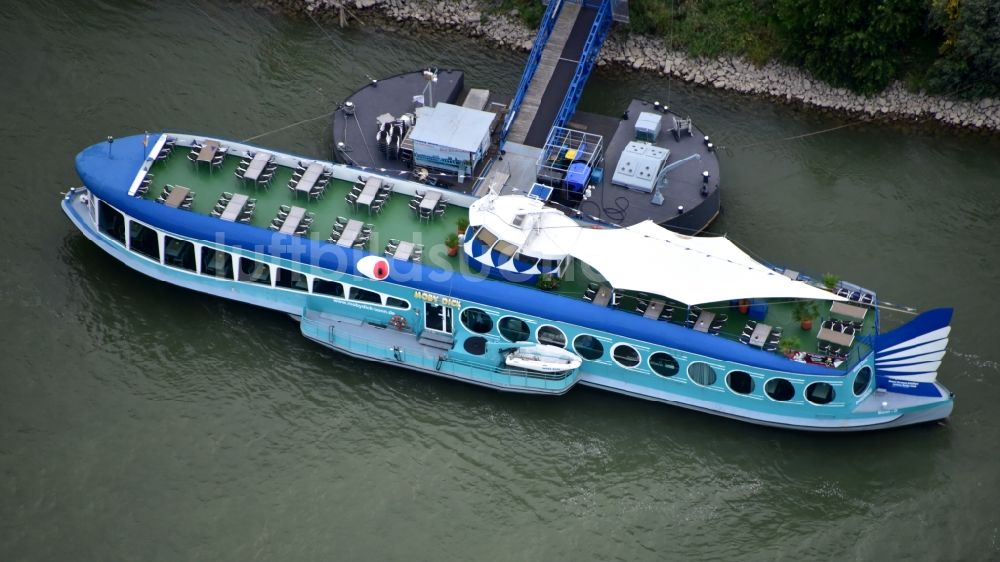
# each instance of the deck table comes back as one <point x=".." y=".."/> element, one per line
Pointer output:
<point x="430" y="200"/>
<point x="849" y="310"/>
<point x="207" y="152"/>
<point x="760" y="333"/>
<point x="654" y="310"/>
<point x="308" y="179"/>
<point x="217" y="265"/>
<point x="704" y="321"/>
<point x="833" y="336"/>
<point x="293" y="220"/>
<point x="603" y="296"/>
<point x="234" y="207"/>
<point x="177" y="196"/>
<point x="404" y="252"/>
<point x="350" y="234"/>
<point x="257" y="165"/>
<point x="367" y="196"/>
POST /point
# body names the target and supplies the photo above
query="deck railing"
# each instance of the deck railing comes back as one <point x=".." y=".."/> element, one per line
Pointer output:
<point x="541" y="38"/>
<point x="595" y="39"/>
<point x="324" y="331"/>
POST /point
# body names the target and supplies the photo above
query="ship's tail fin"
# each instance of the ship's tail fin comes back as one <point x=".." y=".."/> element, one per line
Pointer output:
<point x="907" y="358"/>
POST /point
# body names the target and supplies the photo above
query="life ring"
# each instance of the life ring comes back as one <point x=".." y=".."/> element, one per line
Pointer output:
<point x="398" y="322"/>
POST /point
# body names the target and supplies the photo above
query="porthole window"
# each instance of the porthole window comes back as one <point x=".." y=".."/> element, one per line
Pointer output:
<point x="625" y="355"/>
<point x="550" y="335"/>
<point x="779" y="389"/>
<point x="663" y="364"/>
<point x="514" y="329"/>
<point x="702" y="373"/>
<point x="740" y="382"/>
<point x="476" y="320"/>
<point x="862" y="381"/>
<point x="588" y="347"/>
<point x="475" y="345"/>
<point x="820" y="393"/>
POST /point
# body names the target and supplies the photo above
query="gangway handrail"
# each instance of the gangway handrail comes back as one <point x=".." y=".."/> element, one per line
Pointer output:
<point x="541" y="38"/>
<point x="591" y="48"/>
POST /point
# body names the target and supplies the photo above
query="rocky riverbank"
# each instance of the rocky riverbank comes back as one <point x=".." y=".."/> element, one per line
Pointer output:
<point x="650" y="54"/>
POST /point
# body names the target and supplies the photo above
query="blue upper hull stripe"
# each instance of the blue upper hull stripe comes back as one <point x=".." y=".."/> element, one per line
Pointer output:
<point x="109" y="178"/>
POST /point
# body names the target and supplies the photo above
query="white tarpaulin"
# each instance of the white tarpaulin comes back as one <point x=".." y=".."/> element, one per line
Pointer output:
<point x="651" y="259"/>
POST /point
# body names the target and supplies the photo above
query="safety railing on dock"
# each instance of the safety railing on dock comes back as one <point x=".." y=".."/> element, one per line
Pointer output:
<point x="541" y="38"/>
<point x="595" y="39"/>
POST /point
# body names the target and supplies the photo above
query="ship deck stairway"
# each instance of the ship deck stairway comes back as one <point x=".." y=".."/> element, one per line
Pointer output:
<point x="437" y="340"/>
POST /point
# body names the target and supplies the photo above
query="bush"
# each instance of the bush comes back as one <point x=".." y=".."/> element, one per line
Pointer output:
<point x="650" y="17"/>
<point x="858" y="44"/>
<point x="529" y="11"/>
<point x="708" y="27"/>
<point x="969" y="63"/>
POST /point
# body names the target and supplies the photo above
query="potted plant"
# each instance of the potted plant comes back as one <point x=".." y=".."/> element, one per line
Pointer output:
<point x="548" y="282"/>
<point x="789" y="345"/>
<point x="805" y="312"/>
<point x="463" y="224"/>
<point x="831" y="280"/>
<point x="451" y="241"/>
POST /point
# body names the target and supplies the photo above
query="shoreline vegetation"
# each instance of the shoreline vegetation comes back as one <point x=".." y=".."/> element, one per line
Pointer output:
<point x="887" y="79"/>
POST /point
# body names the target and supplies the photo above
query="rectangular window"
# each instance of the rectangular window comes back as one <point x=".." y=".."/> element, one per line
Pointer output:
<point x="253" y="271"/>
<point x="528" y="261"/>
<point x="111" y="222"/>
<point x="330" y="288"/>
<point x="486" y="237"/>
<point x="143" y="240"/>
<point x="364" y="295"/>
<point x="290" y="280"/>
<point x="216" y="264"/>
<point x="178" y="253"/>
<point x="92" y="207"/>
<point x="396" y="303"/>
<point x="548" y="265"/>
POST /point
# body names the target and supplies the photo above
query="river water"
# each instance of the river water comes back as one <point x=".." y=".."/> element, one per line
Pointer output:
<point x="140" y="421"/>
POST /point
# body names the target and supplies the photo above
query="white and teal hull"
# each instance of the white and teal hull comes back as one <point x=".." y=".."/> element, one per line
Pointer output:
<point x="436" y="340"/>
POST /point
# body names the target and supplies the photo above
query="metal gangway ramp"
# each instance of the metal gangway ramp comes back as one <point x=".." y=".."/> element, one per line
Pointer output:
<point x="569" y="39"/>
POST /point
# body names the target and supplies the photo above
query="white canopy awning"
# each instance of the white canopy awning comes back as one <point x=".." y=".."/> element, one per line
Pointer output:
<point x="651" y="259"/>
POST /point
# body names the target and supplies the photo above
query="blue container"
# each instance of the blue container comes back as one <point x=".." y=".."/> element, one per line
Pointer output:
<point x="758" y="310"/>
<point x="577" y="176"/>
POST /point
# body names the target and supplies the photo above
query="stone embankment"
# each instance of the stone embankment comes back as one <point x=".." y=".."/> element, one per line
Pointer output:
<point x="650" y="54"/>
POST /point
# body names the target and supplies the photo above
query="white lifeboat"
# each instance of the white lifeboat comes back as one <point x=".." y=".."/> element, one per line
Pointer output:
<point x="543" y="359"/>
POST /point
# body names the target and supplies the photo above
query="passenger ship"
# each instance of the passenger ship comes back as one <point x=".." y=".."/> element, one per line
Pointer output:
<point x="535" y="302"/>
